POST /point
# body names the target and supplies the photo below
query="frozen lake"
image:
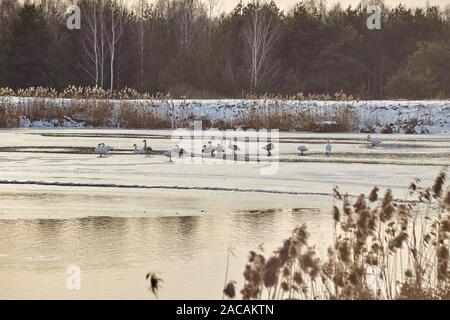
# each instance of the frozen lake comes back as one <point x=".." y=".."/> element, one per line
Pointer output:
<point x="123" y="215"/>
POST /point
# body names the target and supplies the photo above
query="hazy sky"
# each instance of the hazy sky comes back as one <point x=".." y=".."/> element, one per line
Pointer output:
<point x="286" y="4"/>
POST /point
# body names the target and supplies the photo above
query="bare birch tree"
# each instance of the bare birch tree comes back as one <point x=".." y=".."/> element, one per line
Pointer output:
<point x="113" y="37"/>
<point x="96" y="43"/>
<point x="260" y="33"/>
<point x="141" y="42"/>
<point x="213" y="9"/>
<point x="90" y="63"/>
<point x="102" y="41"/>
<point x="141" y="12"/>
<point x="192" y="19"/>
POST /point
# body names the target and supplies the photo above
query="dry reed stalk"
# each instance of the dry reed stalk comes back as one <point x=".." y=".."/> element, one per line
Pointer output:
<point x="407" y="241"/>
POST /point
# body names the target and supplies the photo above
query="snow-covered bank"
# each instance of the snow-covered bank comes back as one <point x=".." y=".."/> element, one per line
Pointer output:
<point x="351" y="116"/>
<point x="66" y="122"/>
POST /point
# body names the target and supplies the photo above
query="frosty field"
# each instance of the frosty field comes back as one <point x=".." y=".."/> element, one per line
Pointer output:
<point x="120" y="216"/>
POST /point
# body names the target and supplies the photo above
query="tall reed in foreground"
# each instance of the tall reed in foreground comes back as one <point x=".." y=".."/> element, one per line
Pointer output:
<point x="154" y="283"/>
<point x="382" y="249"/>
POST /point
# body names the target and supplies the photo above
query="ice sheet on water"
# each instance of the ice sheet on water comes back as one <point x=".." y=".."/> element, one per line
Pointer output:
<point x="82" y="184"/>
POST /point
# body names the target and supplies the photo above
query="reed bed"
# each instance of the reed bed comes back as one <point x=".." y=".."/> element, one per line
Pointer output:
<point x="382" y="249"/>
<point x="272" y="114"/>
<point x="97" y="113"/>
<point x="95" y="92"/>
<point x="127" y="108"/>
<point x="94" y="108"/>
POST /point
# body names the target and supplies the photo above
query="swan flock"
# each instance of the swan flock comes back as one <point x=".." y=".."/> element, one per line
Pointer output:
<point x="209" y="149"/>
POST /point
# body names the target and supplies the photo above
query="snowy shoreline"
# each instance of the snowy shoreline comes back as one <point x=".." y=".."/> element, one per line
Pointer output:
<point x="388" y="116"/>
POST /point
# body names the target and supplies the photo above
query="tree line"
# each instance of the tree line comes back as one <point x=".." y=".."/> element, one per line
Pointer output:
<point x="190" y="48"/>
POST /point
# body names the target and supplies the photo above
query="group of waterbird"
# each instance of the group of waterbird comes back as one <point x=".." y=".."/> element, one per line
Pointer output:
<point x="371" y="143"/>
<point x="211" y="150"/>
<point x="173" y="153"/>
<point x="328" y="148"/>
<point x="145" y="150"/>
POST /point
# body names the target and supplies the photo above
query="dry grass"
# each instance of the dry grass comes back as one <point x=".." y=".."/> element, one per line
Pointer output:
<point x="141" y="118"/>
<point x="74" y="92"/>
<point x="406" y="241"/>
<point x="273" y="116"/>
<point x="161" y="114"/>
<point x="96" y="113"/>
<point x="96" y="107"/>
<point x="99" y="113"/>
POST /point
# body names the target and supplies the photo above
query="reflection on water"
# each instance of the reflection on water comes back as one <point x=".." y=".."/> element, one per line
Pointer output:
<point x="114" y="254"/>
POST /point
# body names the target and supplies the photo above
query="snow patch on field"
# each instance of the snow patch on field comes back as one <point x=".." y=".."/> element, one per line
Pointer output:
<point x="67" y="122"/>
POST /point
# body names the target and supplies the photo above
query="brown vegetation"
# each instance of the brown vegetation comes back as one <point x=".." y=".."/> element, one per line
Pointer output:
<point x="88" y="92"/>
<point x="129" y="109"/>
<point x="406" y="242"/>
<point x="308" y="119"/>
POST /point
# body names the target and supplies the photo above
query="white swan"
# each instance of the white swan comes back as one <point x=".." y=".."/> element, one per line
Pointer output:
<point x="172" y="153"/>
<point x="102" y="149"/>
<point x="178" y="151"/>
<point x="137" y="151"/>
<point x="220" y="148"/>
<point x="372" y="142"/>
<point x="302" y="149"/>
<point x="269" y="148"/>
<point x="328" y="148"/>
<point x="107" y="147"/>
<point x="169" y="154"/>
<point x="147" y="150"/>
<point x="209" y="148"/>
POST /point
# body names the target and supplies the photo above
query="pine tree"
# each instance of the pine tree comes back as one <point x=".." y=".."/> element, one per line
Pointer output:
<point x="26" y="49"/>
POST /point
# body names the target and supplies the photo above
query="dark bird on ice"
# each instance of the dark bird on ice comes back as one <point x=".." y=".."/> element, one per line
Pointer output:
<point x="269" y="148"/>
